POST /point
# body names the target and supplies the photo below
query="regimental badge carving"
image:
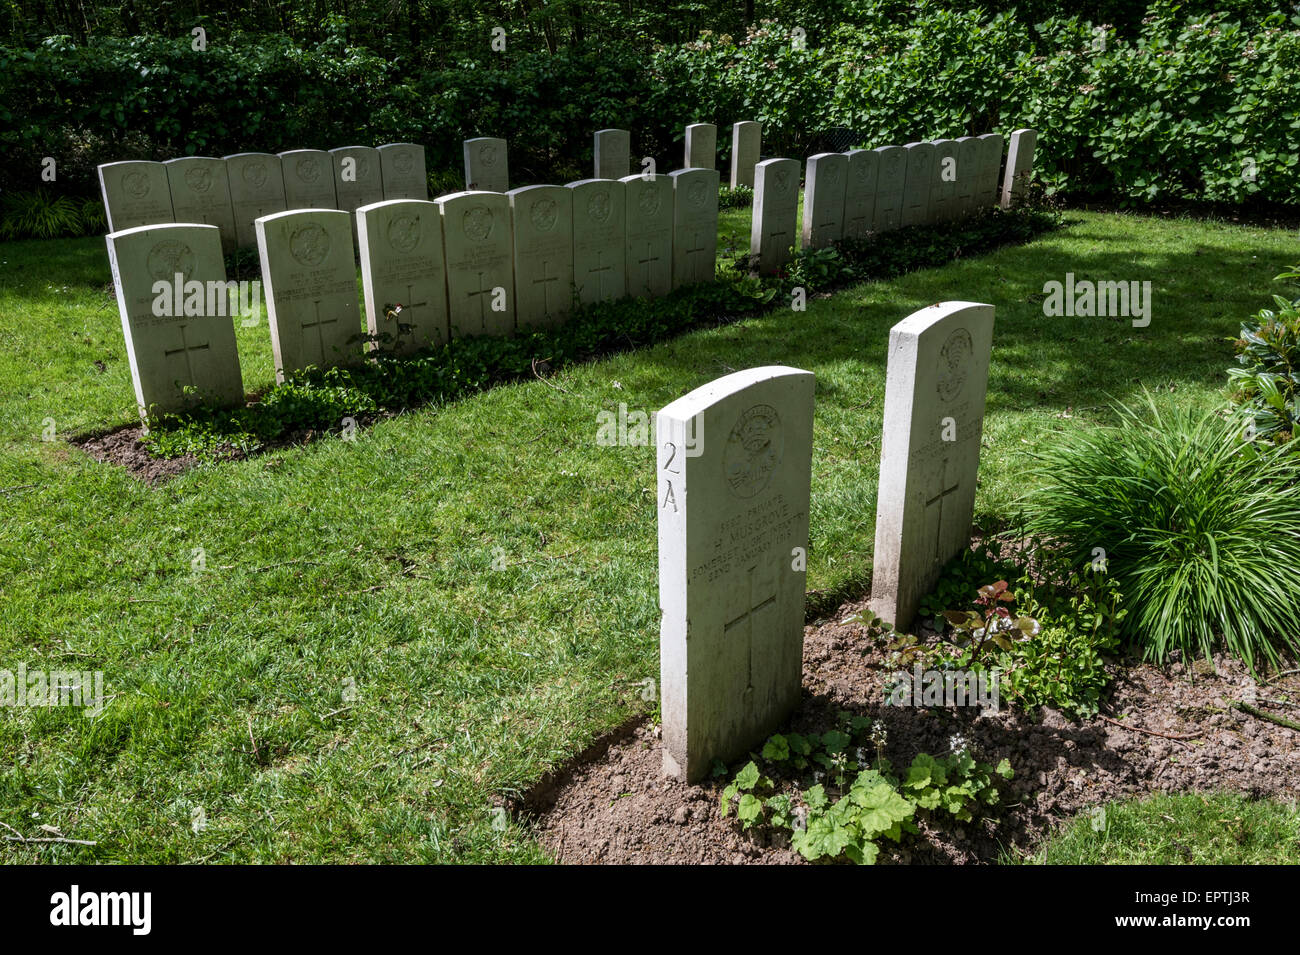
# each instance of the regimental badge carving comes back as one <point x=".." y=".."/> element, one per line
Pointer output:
<point x="544" y="214"/>
<point x="487" y="155"/>
<point x="404" y="233"/>
<point x="832" y="174"/>
<point x="363" y="168"/>
<point x="167" y="258"/>
<point x="136" y="184"/>
<point x="697" y="193"/>
<point x="308" y="169"/>
<point x="782" y="180"/>
<point x="598" y="205"/>
<point x="403" y="163"/>
<point x="954" y="364"/>
<point x="860" y="171"/>
<point x="649" y="200"/>
<point x="255" y="174"/>
<point x="477" y="223"/>
<point x="310" y="244"/>
<point x="753" y="451"/>
<point x="198" y="178"/>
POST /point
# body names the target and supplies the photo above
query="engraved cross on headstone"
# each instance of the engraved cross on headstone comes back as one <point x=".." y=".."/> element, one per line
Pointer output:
<point x="760" y="597"/>
<point x="601" y="271"/>
<point x="184" y="351"/>
<point x="545" y="283"/>
<point x="938" y="499"/>
<point x="482" y="293"/>
<point x="320" y="332"/>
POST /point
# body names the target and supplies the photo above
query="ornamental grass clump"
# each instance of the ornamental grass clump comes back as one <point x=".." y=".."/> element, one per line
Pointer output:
<point x="1200" y="527"/>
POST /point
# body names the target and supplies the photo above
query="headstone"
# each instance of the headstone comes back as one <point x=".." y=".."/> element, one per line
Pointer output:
<point x="403" y="282"/>
<point x="990" y="169"/>
<point x="930" y="451"/>
<point x="542" y="217"/>
<point x="823" y="199"/>
<point x="734" y="463"/>
<point x="701" y="146"/>
<point x="1020" y="166"/>
<point x="179" y="355"/>
<point x="968" y="173"/>
<point x="649" y="252"/>
<point x="773" y="226"/>
<point x="486" y="168"/>
<point x="480" y="269"/>
<point x="256" y="190"/>
<point x="916" y="189"/>
<point x="612" y="153"/>
<point x="746" y="143"/>
<point x="401" y="169"/>
<point x="201" y="193"/>
<point x="943" y="183"/>
<point x="599" y="239"/>
<point x="860" y="193"/>
<point x="889" y="187"/>
<point x="695" y="225"/>
<point x="135" y="193"/>
<point x="309" y="274"/>
<point x="308" y="179"/>
<point x="357" y="179"/>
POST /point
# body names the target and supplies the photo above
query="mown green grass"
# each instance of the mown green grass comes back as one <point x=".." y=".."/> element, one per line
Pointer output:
<point x="1185" y="829"/>
<point x="372" y="561"/>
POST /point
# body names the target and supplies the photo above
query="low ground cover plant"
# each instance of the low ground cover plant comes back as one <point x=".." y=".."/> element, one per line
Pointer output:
<point x="1266" y="385"/>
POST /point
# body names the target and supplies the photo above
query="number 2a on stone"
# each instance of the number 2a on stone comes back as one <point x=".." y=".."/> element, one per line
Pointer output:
<point x="670" y="465"/>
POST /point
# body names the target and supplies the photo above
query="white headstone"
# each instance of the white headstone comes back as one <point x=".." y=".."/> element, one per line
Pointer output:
<point x="308" y="179"/>
<point x="860" y="193"/>
<point x="734" y="474"/>
<point x="695" y="225"/>
<point x="486" y="167"/>
<point x="543" y="249"/>
<point x="402" y="172"/>
<point x="201" y="193"/>
<point x="309" y="274"/>
<point x="746" y="144"/>
<point x="930" y="451"/>
<point x="135" y="193"/>
<point x="599" y="239"/>
<point x="1020" y="166"/>
<point x="943" y="184"/>
<point x="990" y="169"/>
<point x="403" y="282"/>
<point x="823" y="199"/>
<point x="920" y="179"/>
<point x="612" y="153"/>
<point x="701" y="146"/>
<point x="479" y="258"/>
<point x="775" y="221"/>
<point x="649" y="254"/>
<point x="256" y="190"/>
<point x="357" y="179"/>
<point x="889" y="187"/>
<point x="968" y="173"/>
<point x="177" y="338"/>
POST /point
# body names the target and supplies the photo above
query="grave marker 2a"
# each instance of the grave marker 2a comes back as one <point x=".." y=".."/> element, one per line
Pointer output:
<point x="309" y="274"/>
<point x="599" y="239"/>
<point x="180" y="339"/>
<point x="135" y="194"/>
<point x="929" y="455"/>
<point x="403" y="282"/>
<point x="201" y="193"/>
<point x="256" y="190"/>
<point x="695" y="225"/>
<point x="649" y="253"/>
<point x="543" y="250"/>
<point x="357" y="180"/>
<point x="486" y="165"/>
<point x="308" y="179"/>
<point x="480" y="263"/>
<point x="734" y="475"/>
<point x="990" y="167"/>
<point x="776" y="211"/>
<point x="823" y="199"/>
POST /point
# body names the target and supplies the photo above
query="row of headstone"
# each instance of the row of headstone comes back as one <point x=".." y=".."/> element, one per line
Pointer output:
<point x="734" y="466"/>
<point x="848" y="195"/>
<point x="468" y="264"/>
<point x="231" y="192"/>
<point x="701" y="144"/>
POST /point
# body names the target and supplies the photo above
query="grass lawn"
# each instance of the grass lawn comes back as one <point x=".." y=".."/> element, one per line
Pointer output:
<point x="482" y="573"/>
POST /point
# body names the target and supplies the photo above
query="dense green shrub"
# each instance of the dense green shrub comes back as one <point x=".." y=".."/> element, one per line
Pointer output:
<point x="1200" y="528"/>
<point x="1267" y="385"/>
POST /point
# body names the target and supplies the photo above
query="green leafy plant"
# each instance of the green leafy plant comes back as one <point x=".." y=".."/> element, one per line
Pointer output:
<point x="39" y="214"/>
<point x="990" y="625"/>
<point x="740" y="197"/>
<point x="1267" y="385"/>
<point x="1200" y="528"/>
